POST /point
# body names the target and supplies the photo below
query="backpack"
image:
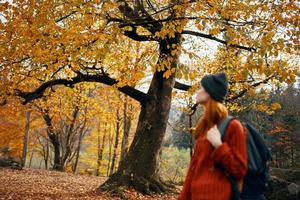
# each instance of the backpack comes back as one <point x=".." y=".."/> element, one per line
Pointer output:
<point x="257" y="177"/>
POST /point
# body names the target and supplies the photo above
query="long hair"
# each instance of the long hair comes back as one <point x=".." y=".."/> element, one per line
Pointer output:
<point x="214" y="111"/>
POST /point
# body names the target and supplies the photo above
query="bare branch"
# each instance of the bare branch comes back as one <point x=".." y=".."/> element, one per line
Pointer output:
<point x="216" y="39"/>
<point x="241" y="93"/>
<point x="72" y="12"/>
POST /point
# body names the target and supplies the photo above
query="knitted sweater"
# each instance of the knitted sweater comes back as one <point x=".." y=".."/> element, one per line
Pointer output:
<point x="203" y="181"/>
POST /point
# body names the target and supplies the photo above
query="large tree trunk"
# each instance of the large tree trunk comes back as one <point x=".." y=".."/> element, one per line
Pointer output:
<point x="139" y="167"/>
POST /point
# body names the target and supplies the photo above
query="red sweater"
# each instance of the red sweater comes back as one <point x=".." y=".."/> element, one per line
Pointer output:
<point x="203" y="181"/>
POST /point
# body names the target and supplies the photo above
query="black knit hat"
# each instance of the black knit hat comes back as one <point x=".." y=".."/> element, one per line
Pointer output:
<point x="216" y="85"/>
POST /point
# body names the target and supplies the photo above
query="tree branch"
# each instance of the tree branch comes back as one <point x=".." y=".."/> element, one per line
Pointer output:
<point x="138" y="14"/>
<point x="181" y="86"/>
<point x="241" y="93"/>
<point x="216" y="39"/>
<point x="103" y="78"/>
<point x="72" y="12"/>
<point x="133" y="35"/>
<point x="184" y="87"/>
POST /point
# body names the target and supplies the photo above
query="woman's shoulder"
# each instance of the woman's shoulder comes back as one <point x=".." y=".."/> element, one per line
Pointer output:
<point x="235" y="123"/>
<point x="235" y="127"/>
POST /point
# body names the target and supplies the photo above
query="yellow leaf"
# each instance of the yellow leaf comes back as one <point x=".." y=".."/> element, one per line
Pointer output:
<point x="275" y="106"/>
<point x="214" y="31"/>
<point x="167" y="73"/>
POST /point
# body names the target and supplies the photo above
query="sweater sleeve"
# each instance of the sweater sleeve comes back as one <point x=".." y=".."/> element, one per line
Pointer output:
<point x="232" y="153"/>
<point x="185" y="193"/>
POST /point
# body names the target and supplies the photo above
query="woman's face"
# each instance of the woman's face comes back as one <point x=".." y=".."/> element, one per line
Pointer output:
<point x="202" y="96"/>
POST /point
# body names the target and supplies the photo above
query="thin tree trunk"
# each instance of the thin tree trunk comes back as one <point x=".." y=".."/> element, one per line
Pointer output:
<point x="118" y="125"/>
<point x="191" y="138"/>
<point x="81" y="135"/>
<point x="25" y="140"/>
<point x="40" y="163"/>
<point x="100" y="150"/>
<point x="70" y="132"/>
<point x="30" y="160"/>
<point x="78" y="150"/>
<point x="109" y="155"/>
<point x="292" y="155"/>
<point x="46" y="157"/>
<point x="126" y="129"/>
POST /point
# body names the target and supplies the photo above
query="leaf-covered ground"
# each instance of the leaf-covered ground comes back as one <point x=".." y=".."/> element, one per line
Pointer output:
<point x="45" y="184"/>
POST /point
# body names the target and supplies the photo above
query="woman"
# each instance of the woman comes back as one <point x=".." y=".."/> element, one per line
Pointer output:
<point x="203" y="181"/>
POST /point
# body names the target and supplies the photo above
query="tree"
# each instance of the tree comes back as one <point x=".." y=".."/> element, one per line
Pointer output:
<point x="274" y="112"/>
<point x="100" y="41"/>
<point x="111" y="132"/>
<point x="26" y="137"/>
<point x="16" y="125"/>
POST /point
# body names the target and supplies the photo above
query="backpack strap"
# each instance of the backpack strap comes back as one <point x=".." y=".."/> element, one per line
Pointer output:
<point x="222" y="125"/>
<point x="236" y="186"/>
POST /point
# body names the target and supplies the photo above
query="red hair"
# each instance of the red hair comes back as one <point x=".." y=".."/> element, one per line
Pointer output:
<point x="214" y="112"/>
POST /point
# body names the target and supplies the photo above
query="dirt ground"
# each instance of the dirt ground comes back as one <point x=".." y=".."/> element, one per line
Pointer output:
<point x="45" y="184"/>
